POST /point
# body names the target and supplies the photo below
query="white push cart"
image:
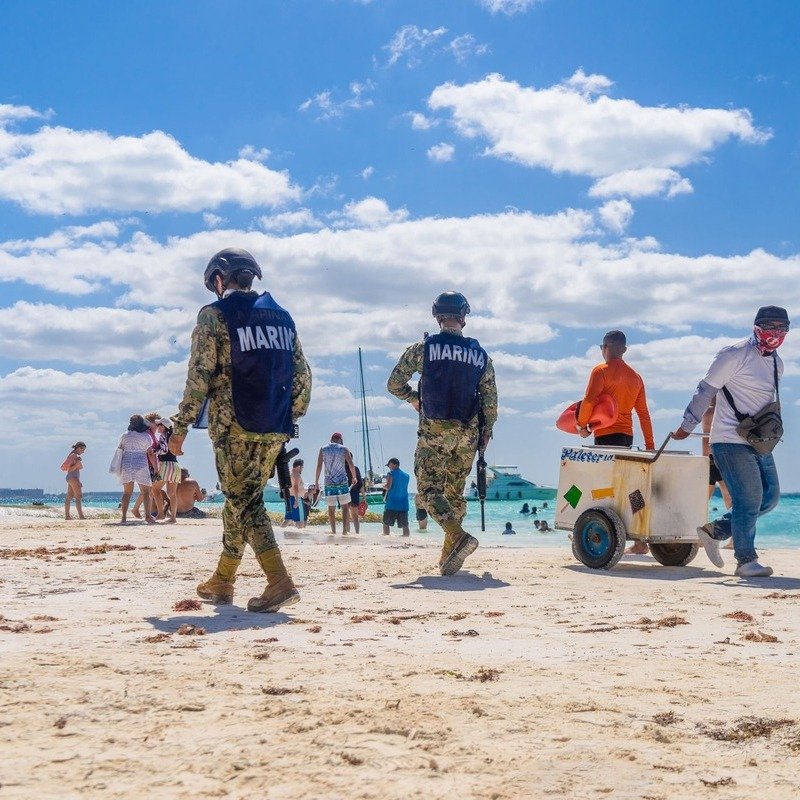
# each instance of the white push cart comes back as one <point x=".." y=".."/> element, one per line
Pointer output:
<point x="607" y="495"/>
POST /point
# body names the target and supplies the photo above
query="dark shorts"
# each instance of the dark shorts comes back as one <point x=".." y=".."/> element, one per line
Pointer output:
<point x="355" y="496"/>
<point x="421" y="514"/>
<point x="399" y="518"/>
<point x="192" y="513"/>
<point x="714" y="475"/>
<point x="615" y="439"/>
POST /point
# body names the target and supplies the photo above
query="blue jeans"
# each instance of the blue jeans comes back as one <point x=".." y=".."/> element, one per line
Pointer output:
<point x="752" y="480"/>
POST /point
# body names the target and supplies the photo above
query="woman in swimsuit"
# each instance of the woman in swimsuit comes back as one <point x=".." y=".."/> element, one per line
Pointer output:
<point x="72" y="466"/>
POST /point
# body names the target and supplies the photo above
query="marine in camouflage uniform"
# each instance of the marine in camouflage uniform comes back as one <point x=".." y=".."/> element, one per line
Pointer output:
<point x="244" y="459"/>
<point x="446" y="447"/>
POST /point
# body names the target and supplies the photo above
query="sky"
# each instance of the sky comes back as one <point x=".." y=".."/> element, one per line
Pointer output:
<point x="570" y="166"/>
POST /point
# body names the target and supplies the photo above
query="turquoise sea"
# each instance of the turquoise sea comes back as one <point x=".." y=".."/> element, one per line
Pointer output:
<point x="779" y="528"/>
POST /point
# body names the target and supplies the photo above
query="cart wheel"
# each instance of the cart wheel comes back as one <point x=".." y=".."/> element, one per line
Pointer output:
<point x="674" y="554"/>
<point x="598" y="539"/>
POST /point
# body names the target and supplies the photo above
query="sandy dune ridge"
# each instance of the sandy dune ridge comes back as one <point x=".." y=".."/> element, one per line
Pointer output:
<point x="526" y="675"/>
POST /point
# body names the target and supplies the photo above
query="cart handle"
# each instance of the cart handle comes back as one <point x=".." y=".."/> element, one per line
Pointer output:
<point x="645" y="459"/>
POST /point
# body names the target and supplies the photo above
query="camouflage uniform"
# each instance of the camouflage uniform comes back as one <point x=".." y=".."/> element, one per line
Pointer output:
<point x="445" y="448"/>
<point x="244" y="460"/>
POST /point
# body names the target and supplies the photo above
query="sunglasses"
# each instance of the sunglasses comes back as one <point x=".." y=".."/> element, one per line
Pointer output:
<point x="773" y="326"/>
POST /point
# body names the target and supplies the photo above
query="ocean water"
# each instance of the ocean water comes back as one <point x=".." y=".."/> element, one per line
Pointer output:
<point x="779" y="528"/>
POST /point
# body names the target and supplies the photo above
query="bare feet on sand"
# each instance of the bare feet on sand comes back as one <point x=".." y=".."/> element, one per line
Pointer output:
<point x="136" y="513"/>
<point x="637" y="549"/>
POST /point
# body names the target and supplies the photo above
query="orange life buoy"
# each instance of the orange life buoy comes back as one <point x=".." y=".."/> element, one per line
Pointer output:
<point x="604" y="414"/>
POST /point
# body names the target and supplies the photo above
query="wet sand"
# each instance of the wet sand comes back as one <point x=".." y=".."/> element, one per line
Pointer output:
<point x="526" y="675"/>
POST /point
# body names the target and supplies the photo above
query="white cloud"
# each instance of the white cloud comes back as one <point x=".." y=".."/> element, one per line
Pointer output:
<point x="409" y="42"/>
<point x="509" y="7"/>
<point x="543" y="268"/>
<point x="646" y="182"/>
<point x="57" y="170"/>
<point x="9" y="113"/>
<point x="441" y="152"/>
<point x="96" y="336"/>
<point x="588" y="84"/>
<point x="367" y="173"/>
<point x="371" y="212"/>
<point x="330" y="108"/>
<point x="212" y="220"/>
<point x="566" y="128"/>
<point x="301" y="219"/>
<point x="64" y="237"/>
<point x="419" y="122"/>
<point x="254" y="153"/>
<point x="616" y="214"/>
<point x="465" y="46"/>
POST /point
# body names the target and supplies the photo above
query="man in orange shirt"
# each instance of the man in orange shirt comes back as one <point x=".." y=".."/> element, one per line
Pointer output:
<point x="625" y="385"/>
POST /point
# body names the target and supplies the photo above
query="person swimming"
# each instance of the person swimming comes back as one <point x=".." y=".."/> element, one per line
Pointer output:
<point x="509" y="531"/>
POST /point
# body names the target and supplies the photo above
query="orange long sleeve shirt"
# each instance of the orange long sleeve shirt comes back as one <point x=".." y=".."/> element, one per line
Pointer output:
<point x="626" y="386"/>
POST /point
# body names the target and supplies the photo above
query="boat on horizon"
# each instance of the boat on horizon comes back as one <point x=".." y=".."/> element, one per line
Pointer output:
<point x="504" y="482"/>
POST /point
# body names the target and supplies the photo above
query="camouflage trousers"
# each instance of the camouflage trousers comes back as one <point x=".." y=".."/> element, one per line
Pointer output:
<point x="244" y="466"/>
<point x="443" y="459"/>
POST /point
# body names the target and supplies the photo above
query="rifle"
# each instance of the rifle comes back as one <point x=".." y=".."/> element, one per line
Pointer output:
<point x="480" y="467"/>
<point x="284" y="478"/>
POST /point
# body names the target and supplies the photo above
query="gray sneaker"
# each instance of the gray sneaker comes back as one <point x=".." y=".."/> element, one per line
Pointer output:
<point x="465" y="546"/>
<point x="752" y="569"/>
<point x="710" y="544"/>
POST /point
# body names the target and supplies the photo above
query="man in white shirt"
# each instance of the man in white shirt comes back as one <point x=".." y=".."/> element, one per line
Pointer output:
<point x="750" y="371"/>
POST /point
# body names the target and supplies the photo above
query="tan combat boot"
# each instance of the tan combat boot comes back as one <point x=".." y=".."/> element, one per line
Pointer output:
<point x="219" y="587"/>
<point x="280" y="590"/>
<point x="458" y="544"/>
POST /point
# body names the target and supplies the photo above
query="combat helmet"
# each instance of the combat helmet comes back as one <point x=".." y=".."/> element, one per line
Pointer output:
<point x="227" y="263"/>
<point x="450" y="304"/>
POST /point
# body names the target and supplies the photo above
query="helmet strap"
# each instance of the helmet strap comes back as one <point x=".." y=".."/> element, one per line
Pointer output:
<point x="219" y="286"/>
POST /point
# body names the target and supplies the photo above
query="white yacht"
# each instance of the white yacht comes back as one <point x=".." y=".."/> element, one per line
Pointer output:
<point x="504" y="482"/>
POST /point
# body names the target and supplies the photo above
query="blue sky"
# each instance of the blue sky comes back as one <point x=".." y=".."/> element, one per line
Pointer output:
<point x="570" y="166"/>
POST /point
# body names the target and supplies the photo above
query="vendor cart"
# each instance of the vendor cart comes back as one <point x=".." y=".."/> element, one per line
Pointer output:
<point x="607" y="495"/>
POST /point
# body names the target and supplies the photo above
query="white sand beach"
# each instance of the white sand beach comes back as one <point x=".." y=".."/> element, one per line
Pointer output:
<point x="527" y="675"/>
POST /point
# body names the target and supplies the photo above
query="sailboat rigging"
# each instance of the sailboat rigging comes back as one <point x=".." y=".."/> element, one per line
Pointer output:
<point x="373" y="483"/>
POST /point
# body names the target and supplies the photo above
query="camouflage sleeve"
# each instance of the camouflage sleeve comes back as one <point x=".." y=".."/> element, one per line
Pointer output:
<point x="487" y="390"/>
<point x="202" y="364"/>
<point x="301" y="384"/>
<point x="409" y="363"/>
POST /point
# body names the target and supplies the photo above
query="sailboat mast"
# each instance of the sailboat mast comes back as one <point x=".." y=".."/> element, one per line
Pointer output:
<point x="364" y="422"/>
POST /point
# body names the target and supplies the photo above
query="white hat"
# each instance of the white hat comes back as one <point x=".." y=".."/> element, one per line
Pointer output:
<point x="165" y="421"/>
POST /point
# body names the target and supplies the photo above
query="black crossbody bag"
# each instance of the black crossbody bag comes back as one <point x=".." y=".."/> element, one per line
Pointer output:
<point x="762" y="430"/>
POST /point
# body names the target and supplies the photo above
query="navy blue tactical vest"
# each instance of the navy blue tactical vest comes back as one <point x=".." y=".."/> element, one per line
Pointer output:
<point x="262" y="361"/>
<point x="452" y="366"/>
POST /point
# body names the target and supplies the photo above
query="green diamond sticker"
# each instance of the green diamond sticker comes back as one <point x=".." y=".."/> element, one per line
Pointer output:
<point x="573" y="495"/>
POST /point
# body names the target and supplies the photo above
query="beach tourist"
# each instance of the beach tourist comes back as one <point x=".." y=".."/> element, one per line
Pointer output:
<point x="543" y="526"/>
<point x="298" y="496"/>
<point x="73" y="464"/>
<point x="137" y="458"/>
<point x="456" y="387"/>
<point x="152" y="417"/>
<point x="357" y="494"/>
<point x="246" y="364"/>
<point x="747" y="375"/>
<point x="614" y="377"/>
<point x="189" y="493"/>
<point x="422" y="514"/>
<point x="395" y="502"/>
<point x="509" y="531"/>
<point x="169" y="472"/>
<point x="335" y="458"/>
<point x="526" y="509"/>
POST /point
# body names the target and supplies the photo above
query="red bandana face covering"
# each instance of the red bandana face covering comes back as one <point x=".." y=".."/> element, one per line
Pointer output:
<point x="769" y="340"/>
